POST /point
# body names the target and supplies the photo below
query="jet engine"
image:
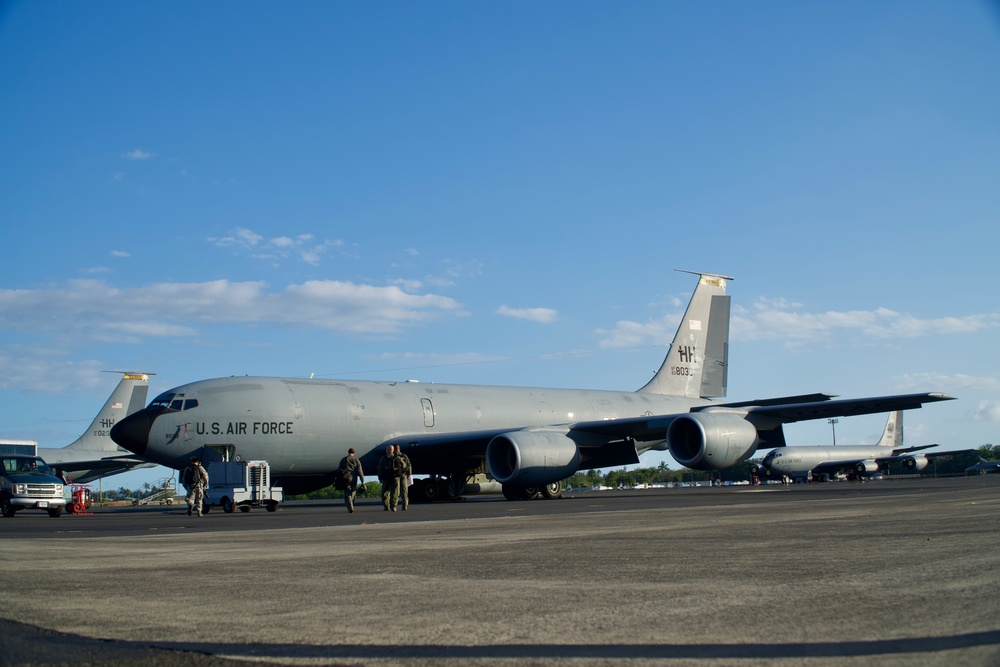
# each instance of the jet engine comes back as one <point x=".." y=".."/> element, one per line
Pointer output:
<point x="531" y="458"/>
<point x="866" y="467"/>
<point x="711" y="441"/>
<point x="914" y="462"/>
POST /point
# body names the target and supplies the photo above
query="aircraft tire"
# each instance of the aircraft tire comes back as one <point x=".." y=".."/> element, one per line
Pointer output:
<point x="430" y="492"/>
<point x="6" y="507"/>
<point x="227" y="505"/>
<point x="271" y="506"/>
<point x="511" y="492"/>
<point x="455" y="486"/>
<point x="532" y="492"/>
<point x="552" y="491"/>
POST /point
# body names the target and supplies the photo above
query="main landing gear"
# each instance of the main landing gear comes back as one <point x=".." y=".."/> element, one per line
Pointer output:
<point x="454" y="486"/>
<point x="548" y="492"/>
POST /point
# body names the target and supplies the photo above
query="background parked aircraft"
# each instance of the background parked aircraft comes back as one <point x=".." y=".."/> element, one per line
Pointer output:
<point x="94" y="454"/>
<point x="983" y="467"/>
<point x="805" y="462"/>
<point x="528" y="439"/>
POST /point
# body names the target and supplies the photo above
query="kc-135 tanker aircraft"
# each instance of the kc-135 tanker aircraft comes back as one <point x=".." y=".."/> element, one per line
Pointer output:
<point x="527" y="439"/>
<point x="806" y="462"/>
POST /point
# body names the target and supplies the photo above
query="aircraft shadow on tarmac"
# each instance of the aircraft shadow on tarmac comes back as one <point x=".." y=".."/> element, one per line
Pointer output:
<point x="653" y="651"/>
<point x="583" y="651"/>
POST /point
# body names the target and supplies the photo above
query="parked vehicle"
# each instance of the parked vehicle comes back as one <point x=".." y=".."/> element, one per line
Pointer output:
<point x="27" y="482"/>
<point x="242" y="484"/>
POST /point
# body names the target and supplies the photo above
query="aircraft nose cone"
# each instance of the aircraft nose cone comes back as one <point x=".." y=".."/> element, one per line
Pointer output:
<point x="132" y="433"/>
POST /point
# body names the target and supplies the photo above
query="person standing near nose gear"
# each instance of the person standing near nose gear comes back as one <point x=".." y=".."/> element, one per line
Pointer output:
<point x="195" y="480"/>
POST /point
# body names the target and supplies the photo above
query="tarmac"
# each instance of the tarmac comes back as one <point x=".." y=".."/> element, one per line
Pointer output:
<point x="898" y="571"/>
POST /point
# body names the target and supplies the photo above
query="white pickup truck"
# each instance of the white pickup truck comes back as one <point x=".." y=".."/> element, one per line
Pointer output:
<point x="27" y="482"/>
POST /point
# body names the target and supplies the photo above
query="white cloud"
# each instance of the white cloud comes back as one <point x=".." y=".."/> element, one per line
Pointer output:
<point x="633" y="334"/>
<point x="239" y="237"/>
<point x="44" y="370"/>
<point x="408" y="285"/>
<point x="780" y="320"/>
<point x="137" y="155"/>
<point x="303" y="246"/>
<point x="95" y="310"/>
<point x="987" y="410"/>
<point x="541" y="315"/>
<point x="120" y="253"/>
<point x="956" y="382"/>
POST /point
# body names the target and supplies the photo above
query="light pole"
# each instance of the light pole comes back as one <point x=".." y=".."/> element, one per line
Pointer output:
<point x="833" y="425"/>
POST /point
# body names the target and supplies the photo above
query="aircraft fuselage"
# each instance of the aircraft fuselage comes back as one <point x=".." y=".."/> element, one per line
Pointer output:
<point x="796" y="461"/>
<point x="304" y="427"/>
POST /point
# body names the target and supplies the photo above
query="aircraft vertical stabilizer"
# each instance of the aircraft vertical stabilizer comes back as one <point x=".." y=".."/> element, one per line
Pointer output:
<point x="696" y="365"/>
<point x="128" y="397"/>
<point x="892" y="436"/>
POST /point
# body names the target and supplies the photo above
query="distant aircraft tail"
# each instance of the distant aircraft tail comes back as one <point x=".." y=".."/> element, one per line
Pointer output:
<point x="892" y="436"/>
<point x="128" y="397"/>
<point x="696" y="365"/>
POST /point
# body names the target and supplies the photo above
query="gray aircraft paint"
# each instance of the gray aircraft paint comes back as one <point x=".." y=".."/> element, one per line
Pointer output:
<point x="523" y="436"/>
<point x="94" y="454"/>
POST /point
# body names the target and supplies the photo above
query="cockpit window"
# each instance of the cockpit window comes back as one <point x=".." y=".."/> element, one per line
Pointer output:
<point x="162" y="401"/>
<point x="173" y="401"/>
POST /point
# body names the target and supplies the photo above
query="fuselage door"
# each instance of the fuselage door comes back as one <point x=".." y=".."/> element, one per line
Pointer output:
<point x="225" y="453"/>
<point x="428" y="408"/>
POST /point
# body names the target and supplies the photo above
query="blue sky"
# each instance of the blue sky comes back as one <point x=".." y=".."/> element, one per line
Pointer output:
<point x="498" y="193"/>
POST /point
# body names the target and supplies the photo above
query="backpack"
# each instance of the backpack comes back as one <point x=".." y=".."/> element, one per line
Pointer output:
<point x="343" y="477"/>
<point x="397" y="466"/>
<point x="188" y="477"/>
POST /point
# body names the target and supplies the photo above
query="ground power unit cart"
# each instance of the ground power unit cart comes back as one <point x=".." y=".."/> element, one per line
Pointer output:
<point x="240" y="484"/>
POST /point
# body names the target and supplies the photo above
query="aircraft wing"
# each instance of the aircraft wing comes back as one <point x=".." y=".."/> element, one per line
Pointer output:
<point x="763" y="416"/>
<point x="614" y="441"/>
<point x="897" y="455"/>
<point x="103" y="467"/>
<point x="435" y="452"/>
<point x="438" y="452"/>
<point x="909" y="450"/>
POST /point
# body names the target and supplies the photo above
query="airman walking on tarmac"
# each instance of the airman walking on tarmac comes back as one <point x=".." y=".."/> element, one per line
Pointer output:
<point x="387" y="475"/>
<point x="404" y="473"/>
<point x="195" y="479"/>
<point x="350" y="468"/>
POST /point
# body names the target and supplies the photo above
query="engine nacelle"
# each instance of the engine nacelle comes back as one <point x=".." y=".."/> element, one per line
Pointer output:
<point x="531" y="458"/>
<point x="914" y="462"/>
<point x="711" y="441"/>
<point x="866" y="467"/>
